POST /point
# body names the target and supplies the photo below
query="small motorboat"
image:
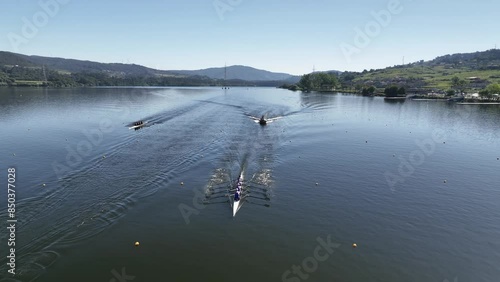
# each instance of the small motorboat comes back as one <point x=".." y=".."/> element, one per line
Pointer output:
<point x="262" y="121"/>
<point x="456" y="99"/>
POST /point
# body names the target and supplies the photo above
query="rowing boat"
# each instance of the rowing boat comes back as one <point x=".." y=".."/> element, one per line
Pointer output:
<point x="136" y="126"/>
<point x="237" y="195"/>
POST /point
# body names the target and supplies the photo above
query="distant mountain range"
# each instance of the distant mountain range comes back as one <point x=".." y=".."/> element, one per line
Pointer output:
<point x="239" y="72"/>
<point x="477" y="69"/>
<point x="242" y="73"/>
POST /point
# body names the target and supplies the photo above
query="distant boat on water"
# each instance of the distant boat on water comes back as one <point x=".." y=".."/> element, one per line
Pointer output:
<point x="456" y="99"/>
<point x="395" y="98"/>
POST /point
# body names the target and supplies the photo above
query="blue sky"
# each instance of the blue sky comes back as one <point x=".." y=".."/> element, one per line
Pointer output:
<point x="284" y="36"/>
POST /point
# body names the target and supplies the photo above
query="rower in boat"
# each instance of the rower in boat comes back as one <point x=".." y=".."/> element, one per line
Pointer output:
<point x="237" y="195"/>
<point x="137" y="125"/>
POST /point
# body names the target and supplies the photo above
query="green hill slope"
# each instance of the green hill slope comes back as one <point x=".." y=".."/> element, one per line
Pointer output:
<point x="479" y="69"/>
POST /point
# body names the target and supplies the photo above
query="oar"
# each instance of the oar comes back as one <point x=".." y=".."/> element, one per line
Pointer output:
<point x="211" y="203"/>
<point x="258" y="204"/>
<point x="258" y="198"/>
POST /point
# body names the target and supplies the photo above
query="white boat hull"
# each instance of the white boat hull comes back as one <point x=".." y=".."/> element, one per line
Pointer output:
<point x="236" y="206"/>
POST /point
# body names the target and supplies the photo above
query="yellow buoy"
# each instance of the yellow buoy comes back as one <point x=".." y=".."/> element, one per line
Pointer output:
<point x="354" y="245"/>
<point x="136" y="244"/>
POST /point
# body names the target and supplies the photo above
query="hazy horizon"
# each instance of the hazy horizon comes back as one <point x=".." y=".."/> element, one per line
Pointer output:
<point x="289" y="38"/>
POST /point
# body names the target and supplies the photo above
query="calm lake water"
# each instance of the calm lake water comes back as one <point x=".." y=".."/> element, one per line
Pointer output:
<point x="416" y="185"/>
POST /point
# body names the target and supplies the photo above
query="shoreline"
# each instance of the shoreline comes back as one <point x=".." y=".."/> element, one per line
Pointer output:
<point x="478" y="103"/>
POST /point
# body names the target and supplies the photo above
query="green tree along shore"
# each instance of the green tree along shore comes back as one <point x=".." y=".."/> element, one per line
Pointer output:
<point x="318" y="81"/>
